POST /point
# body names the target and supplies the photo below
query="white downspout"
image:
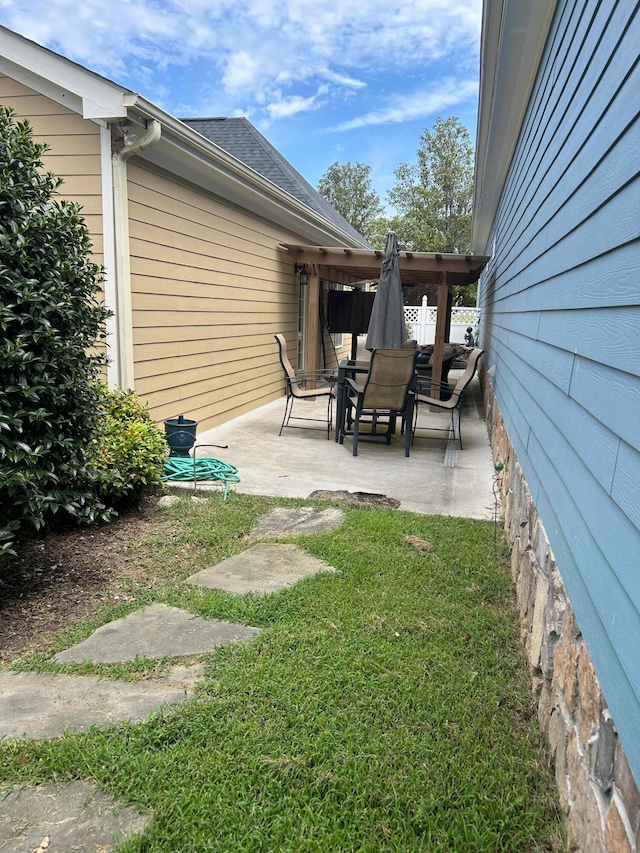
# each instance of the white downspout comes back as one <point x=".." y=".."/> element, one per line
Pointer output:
<point x="124" y="320"/>
<point x="109" y="255"/>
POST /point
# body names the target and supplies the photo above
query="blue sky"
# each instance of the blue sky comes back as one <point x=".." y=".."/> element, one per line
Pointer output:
<point x="324" y="81"/>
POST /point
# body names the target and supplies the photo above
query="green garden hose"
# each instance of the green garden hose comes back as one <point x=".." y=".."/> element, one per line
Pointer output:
<point x="183" y="470"/>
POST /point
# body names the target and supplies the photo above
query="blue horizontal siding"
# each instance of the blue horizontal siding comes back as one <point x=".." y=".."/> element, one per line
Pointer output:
<point x="614" y="653"/>
<point x="610" y="280"/>
<point x="611" y="335"/>
<point x="562" y="140"/>
<point x="625" y="489"/>
<point x="555" y="254"/>
<point x="552" y="363"/>
<point x="612" y="397"/>
<point x="550" y="411"/>
<point x="560" y="302"/>
<point x="586" y="180"/>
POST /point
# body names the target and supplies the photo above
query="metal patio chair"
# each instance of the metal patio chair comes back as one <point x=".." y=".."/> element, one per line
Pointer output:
<point x="452" y="404"/>
<point x="305" y="385"/>
<point x="385" y="395"/>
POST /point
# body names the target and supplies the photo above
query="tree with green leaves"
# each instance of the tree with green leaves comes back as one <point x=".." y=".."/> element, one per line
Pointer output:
<point x="50" y="320"/>
<point x="433" y="197"/>
<point x="348" y="188"/>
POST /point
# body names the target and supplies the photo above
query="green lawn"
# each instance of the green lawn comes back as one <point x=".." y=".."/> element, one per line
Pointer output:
<point x="383" y="707"/>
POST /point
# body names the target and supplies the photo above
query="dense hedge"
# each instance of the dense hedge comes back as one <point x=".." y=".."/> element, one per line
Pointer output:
<point x="50" y="321"/>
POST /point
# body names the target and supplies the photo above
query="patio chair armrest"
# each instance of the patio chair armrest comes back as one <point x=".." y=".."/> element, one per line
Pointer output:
<point x="353" y="385"/>
<point x="326" y="377"/>
<point x="425" y="384"/>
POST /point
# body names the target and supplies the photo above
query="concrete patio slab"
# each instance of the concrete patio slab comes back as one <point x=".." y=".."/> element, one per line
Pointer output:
<point x="63" y="817"/>
<point x="436" y="478"/>
<point x="156" y="631"/>
<point x="36" y="705"/>
<point x="263" y="568"/>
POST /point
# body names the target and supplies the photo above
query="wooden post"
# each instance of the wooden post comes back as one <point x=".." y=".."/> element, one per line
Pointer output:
<point x="312" y="342"/>
<point x="443" y="322"/>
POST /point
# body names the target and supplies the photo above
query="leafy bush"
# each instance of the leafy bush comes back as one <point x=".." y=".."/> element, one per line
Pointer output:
<point x="130" y="449"/>
<point x="49" y="323"/>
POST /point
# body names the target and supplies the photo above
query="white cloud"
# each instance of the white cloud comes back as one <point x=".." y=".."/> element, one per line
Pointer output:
<point x="240" y="72"/>
<point x="421" y="104"/>
<point x="285" y="107"/>
<point x="267" y="54"/>
<point x="343" y="80"/>
<point x="305" y="38"/>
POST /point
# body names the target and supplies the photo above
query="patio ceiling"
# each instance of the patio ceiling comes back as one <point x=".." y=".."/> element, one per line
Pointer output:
<point x="348" y="266"/>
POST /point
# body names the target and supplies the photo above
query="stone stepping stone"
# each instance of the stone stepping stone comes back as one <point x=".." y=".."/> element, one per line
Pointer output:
<point x="35" y="705"/>
<point x="263" y="568"/>
<point x="62" y="817"/>
<point x="156" y="631"/>
<point x="285" y="521"/>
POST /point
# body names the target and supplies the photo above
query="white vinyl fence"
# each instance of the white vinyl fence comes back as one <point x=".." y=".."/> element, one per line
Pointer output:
<point x="421" y="322"/>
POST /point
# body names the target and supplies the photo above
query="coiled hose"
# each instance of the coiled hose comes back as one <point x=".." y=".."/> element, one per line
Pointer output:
<point x="183" y="470"/>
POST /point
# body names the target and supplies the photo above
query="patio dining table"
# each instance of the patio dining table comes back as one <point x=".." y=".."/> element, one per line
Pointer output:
<point x="351" y="369"/>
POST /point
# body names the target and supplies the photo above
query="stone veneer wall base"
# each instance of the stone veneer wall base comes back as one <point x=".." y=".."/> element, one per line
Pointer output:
<point x="598" y="793"/>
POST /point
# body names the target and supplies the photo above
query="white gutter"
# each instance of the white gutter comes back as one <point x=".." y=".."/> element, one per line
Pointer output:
<point x="185" y="148"/>
<point x="124" y="318"/>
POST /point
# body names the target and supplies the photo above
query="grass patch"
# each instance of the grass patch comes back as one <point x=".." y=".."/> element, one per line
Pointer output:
<point x="384" y="707"/>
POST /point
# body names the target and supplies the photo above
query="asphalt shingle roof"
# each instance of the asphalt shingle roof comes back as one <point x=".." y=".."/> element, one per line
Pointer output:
<point x="240" y="138"/>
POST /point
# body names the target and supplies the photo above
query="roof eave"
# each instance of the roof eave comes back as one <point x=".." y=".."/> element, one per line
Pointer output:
<point x="64" y="81"/>
<point x="513" y="38"/>
<point x="186" y="152"/>
<point x="180" y="149"/>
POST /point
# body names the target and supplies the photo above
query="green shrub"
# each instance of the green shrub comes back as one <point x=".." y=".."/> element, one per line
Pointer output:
<point x="49" y="324"/>
<point x="130" y="449"/>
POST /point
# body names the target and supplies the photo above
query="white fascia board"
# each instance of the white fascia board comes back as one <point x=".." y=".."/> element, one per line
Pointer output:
<point x="514" y="33"/>
<point x="64" y="81"/>
<point x="184" y="152"/>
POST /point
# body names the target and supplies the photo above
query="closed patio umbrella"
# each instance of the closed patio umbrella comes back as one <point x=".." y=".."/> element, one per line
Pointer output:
<point x="386" y="326"/>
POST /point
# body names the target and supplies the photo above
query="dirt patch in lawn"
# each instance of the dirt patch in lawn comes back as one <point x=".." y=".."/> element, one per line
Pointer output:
<point x="59" y="578"/>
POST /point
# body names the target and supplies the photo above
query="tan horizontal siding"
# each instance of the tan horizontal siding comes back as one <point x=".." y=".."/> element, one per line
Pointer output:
<point x="210" y="289"/>
<point x="197" y="237"/>
<point x="73" y="155"/>
<point x="199" y="355"/>
<point x="197" y="401"/>
<point x="74" y="142"/>
<point x="25" y="104"/>
<point x="238" y="291"/>
<point x="212" y="270"/>
<point x="218" y="303"/>
<point x="224" y="335"/>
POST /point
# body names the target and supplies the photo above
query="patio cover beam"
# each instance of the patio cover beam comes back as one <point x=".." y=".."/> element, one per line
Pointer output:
<point x="345" y="265"/>
<point x="415" y="267"/>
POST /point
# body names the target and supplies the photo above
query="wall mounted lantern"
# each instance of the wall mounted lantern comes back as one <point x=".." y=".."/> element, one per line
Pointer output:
<point x="302" y="271"/>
